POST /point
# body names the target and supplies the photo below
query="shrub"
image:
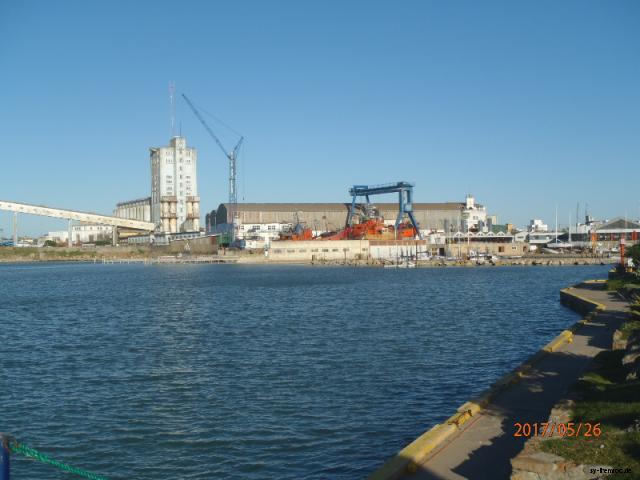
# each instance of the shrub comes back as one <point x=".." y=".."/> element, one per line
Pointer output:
<point x="634" y="254"/>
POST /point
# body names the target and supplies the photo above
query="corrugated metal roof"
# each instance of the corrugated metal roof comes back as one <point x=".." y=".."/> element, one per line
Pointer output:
<point x="287" y="207"/>
<point x="137" y="200"/>
<point x="337" y="207"/>
<point x="618" y="223"/>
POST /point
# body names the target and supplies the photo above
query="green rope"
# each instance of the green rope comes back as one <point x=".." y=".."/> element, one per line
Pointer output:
<point x="29" y="452"/>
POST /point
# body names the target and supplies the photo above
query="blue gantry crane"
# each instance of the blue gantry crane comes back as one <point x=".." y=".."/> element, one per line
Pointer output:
<point x="405" y="200"/>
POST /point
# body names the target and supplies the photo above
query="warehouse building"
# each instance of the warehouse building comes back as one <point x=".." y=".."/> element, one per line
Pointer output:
<point x="139" y="209"/>
<point x="388" y="250"/>
<point x="327" y="217"/>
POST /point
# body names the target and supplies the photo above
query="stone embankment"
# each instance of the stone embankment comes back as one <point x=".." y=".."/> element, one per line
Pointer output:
<point x="62" y="254"/>
<point x="109" y="254"/>
<point x="537" y="261"/>
<point x="122" y="253"/>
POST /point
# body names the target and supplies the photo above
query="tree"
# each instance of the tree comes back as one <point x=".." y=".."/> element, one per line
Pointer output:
<point x="50" y="243"/>
<point x="634" y="254"/>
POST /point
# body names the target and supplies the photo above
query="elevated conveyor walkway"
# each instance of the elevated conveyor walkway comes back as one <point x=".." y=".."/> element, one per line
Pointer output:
<point x="76" y="215"/>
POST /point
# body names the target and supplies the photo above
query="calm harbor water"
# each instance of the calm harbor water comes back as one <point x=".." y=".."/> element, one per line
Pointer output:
<point x="255" y="372"/>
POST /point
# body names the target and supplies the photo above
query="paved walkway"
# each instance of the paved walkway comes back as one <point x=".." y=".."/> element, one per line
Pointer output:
<point x="484" y="446"/>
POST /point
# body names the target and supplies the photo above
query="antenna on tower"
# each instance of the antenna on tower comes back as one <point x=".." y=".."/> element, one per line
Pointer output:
<point x="172" y="108"/>
<point x="587" y="215"/>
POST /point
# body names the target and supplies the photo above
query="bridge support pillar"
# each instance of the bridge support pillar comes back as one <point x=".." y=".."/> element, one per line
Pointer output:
<point x="70" y="238"/>
<point x="114" y="240"/>
<point x="15" y="229"/>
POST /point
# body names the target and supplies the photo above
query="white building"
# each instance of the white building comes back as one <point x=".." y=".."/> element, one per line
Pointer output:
<point x="536" y="225"/>
<point x="271" y="230"/>
<point x="260" y="235"/>
<point x="85" y="233"/>
<point x="474" y="216"/>
<point x="175" y="204"/>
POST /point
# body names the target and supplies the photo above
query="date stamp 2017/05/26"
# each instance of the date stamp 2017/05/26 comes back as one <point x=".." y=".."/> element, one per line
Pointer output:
<point x="553" y="429"/>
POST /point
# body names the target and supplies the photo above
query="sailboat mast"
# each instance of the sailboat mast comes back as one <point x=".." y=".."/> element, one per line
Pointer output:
<point x="556" y="224"/>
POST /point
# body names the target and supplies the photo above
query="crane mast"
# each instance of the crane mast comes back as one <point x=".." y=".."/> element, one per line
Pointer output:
<point x="231" y="155"/>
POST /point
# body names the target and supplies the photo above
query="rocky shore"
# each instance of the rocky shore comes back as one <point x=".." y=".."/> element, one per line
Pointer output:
<point x="108" y="253"/>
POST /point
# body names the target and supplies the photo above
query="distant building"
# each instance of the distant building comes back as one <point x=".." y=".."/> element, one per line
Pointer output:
<point x="602" y="234"/>
<point x="474" y="215"/>
<point x="506" y="228"/>
<point x="175" y="204"/>
<point x="84" y="233"/>
<point x="139" y="209"/>
<point x="536" y="225"/>
<point x="543" y="238"/>
<point x="616" y="229"/>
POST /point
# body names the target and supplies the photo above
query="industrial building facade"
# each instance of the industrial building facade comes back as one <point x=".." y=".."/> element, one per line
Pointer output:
<point x="80" y="234"/>
<point x="139" y="209"/>
<point x="175" y="204"/>
<point x="445" y="217"/>
<point x="390" y="250"/>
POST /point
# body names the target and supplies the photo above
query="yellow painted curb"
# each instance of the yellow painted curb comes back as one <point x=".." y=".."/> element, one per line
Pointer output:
<point x="568" y="291"/>
<point x="579" y="324"/>
<point x="565" y="337"/>
<point x="472" y="407"/>
<point x="410" y="457"/>
<point x="459" y="418"/>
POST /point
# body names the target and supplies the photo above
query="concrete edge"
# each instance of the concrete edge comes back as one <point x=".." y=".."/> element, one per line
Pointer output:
<point x="408" y="459"/>
<point x="576" y="302"/>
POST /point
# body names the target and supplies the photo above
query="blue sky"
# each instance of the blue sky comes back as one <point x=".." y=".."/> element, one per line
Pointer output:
<point x="526" y="105"/>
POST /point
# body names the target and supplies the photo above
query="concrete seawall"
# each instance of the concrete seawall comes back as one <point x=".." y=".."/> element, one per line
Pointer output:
<point x="572" y="299"/>
<point x="412" y="458"/>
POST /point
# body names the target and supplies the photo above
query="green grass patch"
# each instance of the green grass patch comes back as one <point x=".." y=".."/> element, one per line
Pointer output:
<point x="630" y="282"/>
<point x="618" y="450"/>
<point x="607" y="399"/>
<point x="615" y="284"/>
<point x="18" y="251"/>
<point x="629" y="327"/>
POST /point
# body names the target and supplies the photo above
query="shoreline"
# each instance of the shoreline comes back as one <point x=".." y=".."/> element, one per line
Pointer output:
<point x="228" y="261"/>
<point x="119" y="255"/>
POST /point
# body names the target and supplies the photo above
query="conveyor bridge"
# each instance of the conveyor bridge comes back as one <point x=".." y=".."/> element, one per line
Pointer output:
<point x="71" y="215"/>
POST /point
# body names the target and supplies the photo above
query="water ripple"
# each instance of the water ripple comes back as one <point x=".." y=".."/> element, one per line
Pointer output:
<point x="243" y="372"/>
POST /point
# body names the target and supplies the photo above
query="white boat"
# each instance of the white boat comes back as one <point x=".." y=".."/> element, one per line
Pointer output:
<point x="401" y="265"/>
<point x="557" y="245"/>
